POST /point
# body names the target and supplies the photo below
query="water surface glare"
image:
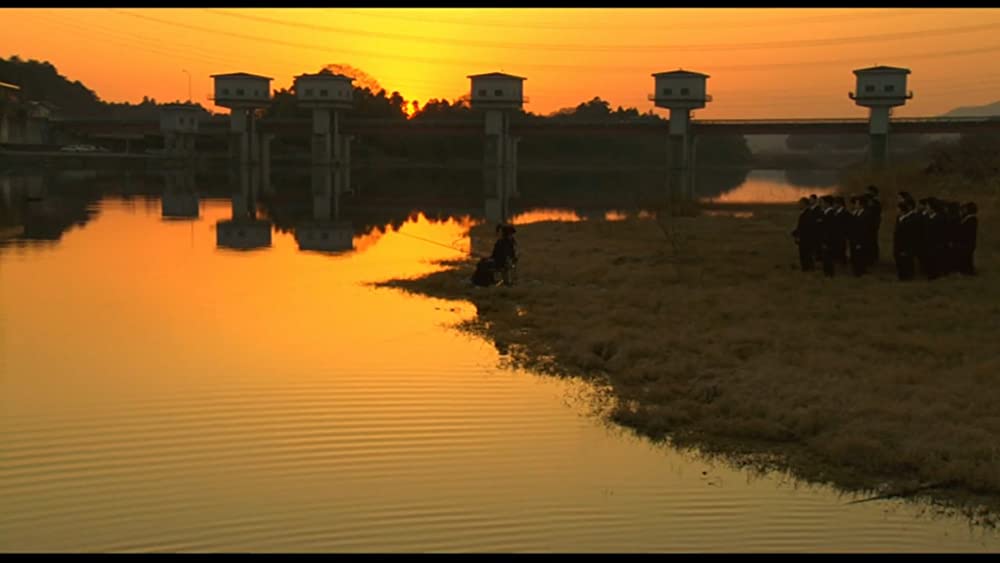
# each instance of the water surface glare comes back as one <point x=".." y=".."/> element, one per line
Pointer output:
<point x="158" y="393"/>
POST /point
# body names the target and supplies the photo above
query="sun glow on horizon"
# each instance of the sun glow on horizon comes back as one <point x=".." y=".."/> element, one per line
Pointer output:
<point x="762" y="62"/>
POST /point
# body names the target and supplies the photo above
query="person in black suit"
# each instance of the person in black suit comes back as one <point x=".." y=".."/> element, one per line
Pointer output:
<point x="873" y="219"/>
<point x="805" y="235"/>
<point x="816" y="212"/>
<point x="904" y="240"/>
<point x="952" y="220"/>
<point x="936" y="241"/>
<point x="842" y="219"/>
<point x="923" y="260"/>
<point x="827" y="229"/>
<point x="876" y="223"/>
<point x="966" y="239"/>
<point x="857" y="235"/>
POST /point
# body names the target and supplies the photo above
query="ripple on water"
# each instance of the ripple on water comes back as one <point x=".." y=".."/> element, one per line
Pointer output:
<point x="339" y="434"/>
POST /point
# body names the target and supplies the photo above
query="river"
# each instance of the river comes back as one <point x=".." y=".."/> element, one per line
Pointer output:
<point x="165" y="388"/>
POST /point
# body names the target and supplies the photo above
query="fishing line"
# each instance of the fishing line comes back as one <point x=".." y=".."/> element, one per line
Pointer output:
<point x="430" y="241"/>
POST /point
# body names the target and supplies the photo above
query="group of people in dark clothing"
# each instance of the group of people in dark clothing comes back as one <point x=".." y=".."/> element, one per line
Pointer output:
<point x="936" y="236"/>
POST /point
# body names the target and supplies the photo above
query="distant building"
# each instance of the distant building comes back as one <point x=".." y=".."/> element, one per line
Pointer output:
<point x="681" y="89"/>
<point x="496" y="90"/>
<point x="242" y="93"/>
<point x="880" y="86"/>
<point x="179" y="125"/>
<point x="324" y="89"/>
<point x="9" y="92"/>
<point x="241" y="90"/>
<point x="23" y="121"/>
<point x="12" y="113"/>
<point x="180" y="118"/>
<point x="39" y="127"/>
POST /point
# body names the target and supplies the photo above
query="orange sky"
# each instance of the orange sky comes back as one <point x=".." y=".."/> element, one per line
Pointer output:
<point x="762" y="62"/>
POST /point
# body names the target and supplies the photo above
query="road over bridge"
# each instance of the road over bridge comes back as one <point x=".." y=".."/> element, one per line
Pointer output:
<point x="120" y="128"/>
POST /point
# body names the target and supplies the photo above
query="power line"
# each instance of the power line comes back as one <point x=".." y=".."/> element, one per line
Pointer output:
<point x="604" y="27"/>
<point x="174" y="49"/>
<point x="299" y="45"/>
<point x="127" y="39"/>
<point x="398" y="85"/>
<point x="867" y="60"/>
<point x="619" y="48"/>
<point x="617" y="69"/>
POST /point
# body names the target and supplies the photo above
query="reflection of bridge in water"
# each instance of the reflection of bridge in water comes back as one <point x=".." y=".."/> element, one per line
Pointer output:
<point x="306" y="203"/>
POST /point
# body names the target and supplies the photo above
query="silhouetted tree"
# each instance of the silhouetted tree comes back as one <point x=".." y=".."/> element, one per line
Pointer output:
<point x="41" y="81"/>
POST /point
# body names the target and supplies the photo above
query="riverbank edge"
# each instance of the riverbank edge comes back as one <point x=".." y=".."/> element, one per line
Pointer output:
<point x="758" y="456"/>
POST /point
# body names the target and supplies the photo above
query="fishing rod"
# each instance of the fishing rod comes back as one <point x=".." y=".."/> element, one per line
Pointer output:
<point x="430" y="241"/>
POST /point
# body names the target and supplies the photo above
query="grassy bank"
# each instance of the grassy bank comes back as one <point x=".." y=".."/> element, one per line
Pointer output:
<point x="708" y="335"/>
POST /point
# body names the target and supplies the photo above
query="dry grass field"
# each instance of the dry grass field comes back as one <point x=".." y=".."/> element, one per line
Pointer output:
<point x="707" y="335"/>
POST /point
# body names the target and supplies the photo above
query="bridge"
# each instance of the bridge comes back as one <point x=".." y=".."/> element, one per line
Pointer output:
<point x="134" y="129"/>
<point x="898" y="126"/>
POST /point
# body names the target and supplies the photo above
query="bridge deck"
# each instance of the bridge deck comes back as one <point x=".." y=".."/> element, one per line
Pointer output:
<point x="220" y="126"/>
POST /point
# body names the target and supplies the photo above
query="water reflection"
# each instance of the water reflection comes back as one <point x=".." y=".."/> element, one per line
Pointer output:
<point x="31" y="214"/>
<point x="180" y="195"/>
<point x="727" y="213"/>
<point x="159" y="401"/>
<point x="539" y="215"/>
<point x="806" y="178"/>
<point x="326" y="232"/>
<point x="244" y="231"/>
<point x="41" y="207"/>
<point x="769" y="186"/>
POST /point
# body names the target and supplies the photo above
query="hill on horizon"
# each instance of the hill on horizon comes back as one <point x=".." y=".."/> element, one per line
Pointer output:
<point x="987" y="110"/>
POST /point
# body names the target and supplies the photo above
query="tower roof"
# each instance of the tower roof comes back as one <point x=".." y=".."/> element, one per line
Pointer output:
<point x="883" y="68"/>
<point x="496" y="75"/>
<point x="325" y="74"/>
<point x="241" y="75"/>
<point x="679" y="72"/>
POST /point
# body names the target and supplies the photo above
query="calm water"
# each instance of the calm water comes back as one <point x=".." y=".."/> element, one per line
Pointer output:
<point x="162" y="392"/>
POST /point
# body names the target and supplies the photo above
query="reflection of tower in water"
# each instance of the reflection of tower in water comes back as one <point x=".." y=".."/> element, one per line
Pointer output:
<point x="325" y="232"/>
<point x="180" y="195"/>
<point x="244" y="231"/>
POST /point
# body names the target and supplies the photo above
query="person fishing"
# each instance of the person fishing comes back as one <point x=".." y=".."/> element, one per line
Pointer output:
<point x="501" y="261"/>
<point x="505" y="253"/>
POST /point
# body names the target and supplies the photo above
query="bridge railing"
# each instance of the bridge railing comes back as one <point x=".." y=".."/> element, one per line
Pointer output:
<point x="845" y="120"/>
<point x="955" y="120"/>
